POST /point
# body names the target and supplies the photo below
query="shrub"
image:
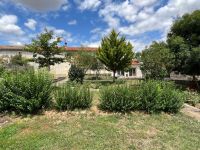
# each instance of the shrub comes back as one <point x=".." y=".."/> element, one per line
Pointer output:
<point x="18" y="60"/>
<point x="26" y="92"/>
<point x="118" y="98"/>
<point x="69" y="98"/>
<point x="157" y="96"/>
<point x="192" y="97"/>
<point x="76" y="74"/>
<point x="2" y="70"/>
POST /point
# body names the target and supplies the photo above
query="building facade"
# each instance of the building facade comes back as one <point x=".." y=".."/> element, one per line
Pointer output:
<point x="61" y="70"/>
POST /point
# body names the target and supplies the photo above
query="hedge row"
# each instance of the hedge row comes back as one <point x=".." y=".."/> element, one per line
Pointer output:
<point x="30" y="92"/>
<point x="150" y="96"/>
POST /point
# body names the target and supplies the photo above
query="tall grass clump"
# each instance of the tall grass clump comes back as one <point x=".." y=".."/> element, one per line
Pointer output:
<point x="118" y="98"/>
<point x="158" y="96"/>
<point x="70" y="98"/>
<point x="25" y="92"/>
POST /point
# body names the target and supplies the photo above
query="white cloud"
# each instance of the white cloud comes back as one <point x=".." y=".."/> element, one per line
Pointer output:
<point x="91" y="44"/>
<point x="95" y="30"/>
<point x="142" y="17"/>
<point x="61" y="33"/>
<point x="31" y="24"/>
<point x="42" y="5"/>
<point x="8" y="25"/>
<point x="88" y="4"/>
<point x="72" y="22"/>
<point x="16" y="43"/>
<point x="65" y="7"/>
<point x="162" y="19"/>
<point x="143" y="3"/>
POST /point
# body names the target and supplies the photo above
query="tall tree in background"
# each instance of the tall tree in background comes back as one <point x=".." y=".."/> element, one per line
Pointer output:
<point x="157" y="61"/>
<point x="184" y="43"/>
<point x="115" y="52"/>
<point x="45" y="48"/>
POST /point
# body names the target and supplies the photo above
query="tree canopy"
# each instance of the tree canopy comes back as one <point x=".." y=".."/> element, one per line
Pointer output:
<point x="157" y="61"/>
<point x="46" y="50"/>
<point x="115" y="52"/>
<point x="184" y="43"/>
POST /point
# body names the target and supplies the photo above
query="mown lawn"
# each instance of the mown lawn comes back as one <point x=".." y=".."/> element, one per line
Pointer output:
<point x="94" y="130"/>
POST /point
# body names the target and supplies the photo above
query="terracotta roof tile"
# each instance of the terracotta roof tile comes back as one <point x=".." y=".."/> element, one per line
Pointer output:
<point x="2" y="47"/>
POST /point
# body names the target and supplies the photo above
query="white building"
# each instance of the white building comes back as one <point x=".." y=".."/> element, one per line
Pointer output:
<point x="61" y="70"/>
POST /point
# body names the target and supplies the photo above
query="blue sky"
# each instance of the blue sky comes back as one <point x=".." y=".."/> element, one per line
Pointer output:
<point x="85" y="22"/>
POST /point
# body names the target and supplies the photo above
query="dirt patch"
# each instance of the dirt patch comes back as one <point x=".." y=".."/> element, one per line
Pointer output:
<point x="4" y="120"/>
<point x="198" y="105"/>
<point x="152" y="132"/>
<point x="191" y="111"/>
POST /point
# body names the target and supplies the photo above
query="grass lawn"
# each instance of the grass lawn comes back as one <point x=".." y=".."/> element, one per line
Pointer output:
<point x="90" y="130"/>
<point x="96" y="130"/>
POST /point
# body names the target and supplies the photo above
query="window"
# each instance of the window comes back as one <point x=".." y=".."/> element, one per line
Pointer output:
<point x="132" y="72"/>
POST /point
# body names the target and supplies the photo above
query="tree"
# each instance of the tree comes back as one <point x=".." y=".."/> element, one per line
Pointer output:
<point x="46" y="50"/>
<point x="184" y="42"/>
<point x="157" y="61"/>
<point x="115" y="52"/>
<point x="85" y="61"/>
<point x="138" y="56"/>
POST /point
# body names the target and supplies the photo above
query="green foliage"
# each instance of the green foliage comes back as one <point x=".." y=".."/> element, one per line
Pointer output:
<point x="192" y="97"/>
<point x="18" y="60"/>
<point x="187" y="27"/>
<point x="115" y="53"/>
<point x="26" y="92"/>
<point x="70" y="98"/>
<point x="184" y="42"/>
<point x="86" y="61"/>
<point x="151" y="96"/>
<point x="45" y="51"/>
<point x="76" y="74"/>
<point x="118" y="98"/>
<point x="2" y="70"/>
<point x="157" y="61"/>
<point x="158" y="96"/>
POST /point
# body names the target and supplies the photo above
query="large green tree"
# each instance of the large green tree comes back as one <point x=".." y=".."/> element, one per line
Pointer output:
<point x="157" y="61"/>
<point x="115" y="52"/>
<point x="184" y="43"/>
<point x="45" y="49"/>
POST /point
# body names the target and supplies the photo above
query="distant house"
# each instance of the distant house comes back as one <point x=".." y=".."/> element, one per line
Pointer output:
<point x="61" y="70"/>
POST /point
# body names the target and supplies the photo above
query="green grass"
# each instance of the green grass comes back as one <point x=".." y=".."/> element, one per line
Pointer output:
<point x="94" y="130"/>
<point x="76" y="130"/>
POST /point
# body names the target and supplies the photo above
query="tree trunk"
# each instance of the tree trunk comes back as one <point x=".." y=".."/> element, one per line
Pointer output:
<point x="114" y="76"/>
<point x="49" y="68"/>
<point x="195" y="80"/>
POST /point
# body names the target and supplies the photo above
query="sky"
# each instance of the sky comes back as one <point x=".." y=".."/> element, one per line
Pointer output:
<point x="85" y="22"/>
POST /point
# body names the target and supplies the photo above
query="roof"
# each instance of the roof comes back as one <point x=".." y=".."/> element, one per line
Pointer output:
<point x="94" y="49"/>
<point x="10" y="47"/>
<point x="72" y="49"/>
<point x="135" y="62"/>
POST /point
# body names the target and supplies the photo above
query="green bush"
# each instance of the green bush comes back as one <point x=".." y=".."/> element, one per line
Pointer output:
<point x="2" y="70"/>
<point x="70" y="98"/>
<point x="26" y="92"/>
<point x="192" y="97"/>
<point x="157" y="96"/>
<point x="150" y="96"/>
<point x="76" y="74"/>
<point x="118" y="98"/>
